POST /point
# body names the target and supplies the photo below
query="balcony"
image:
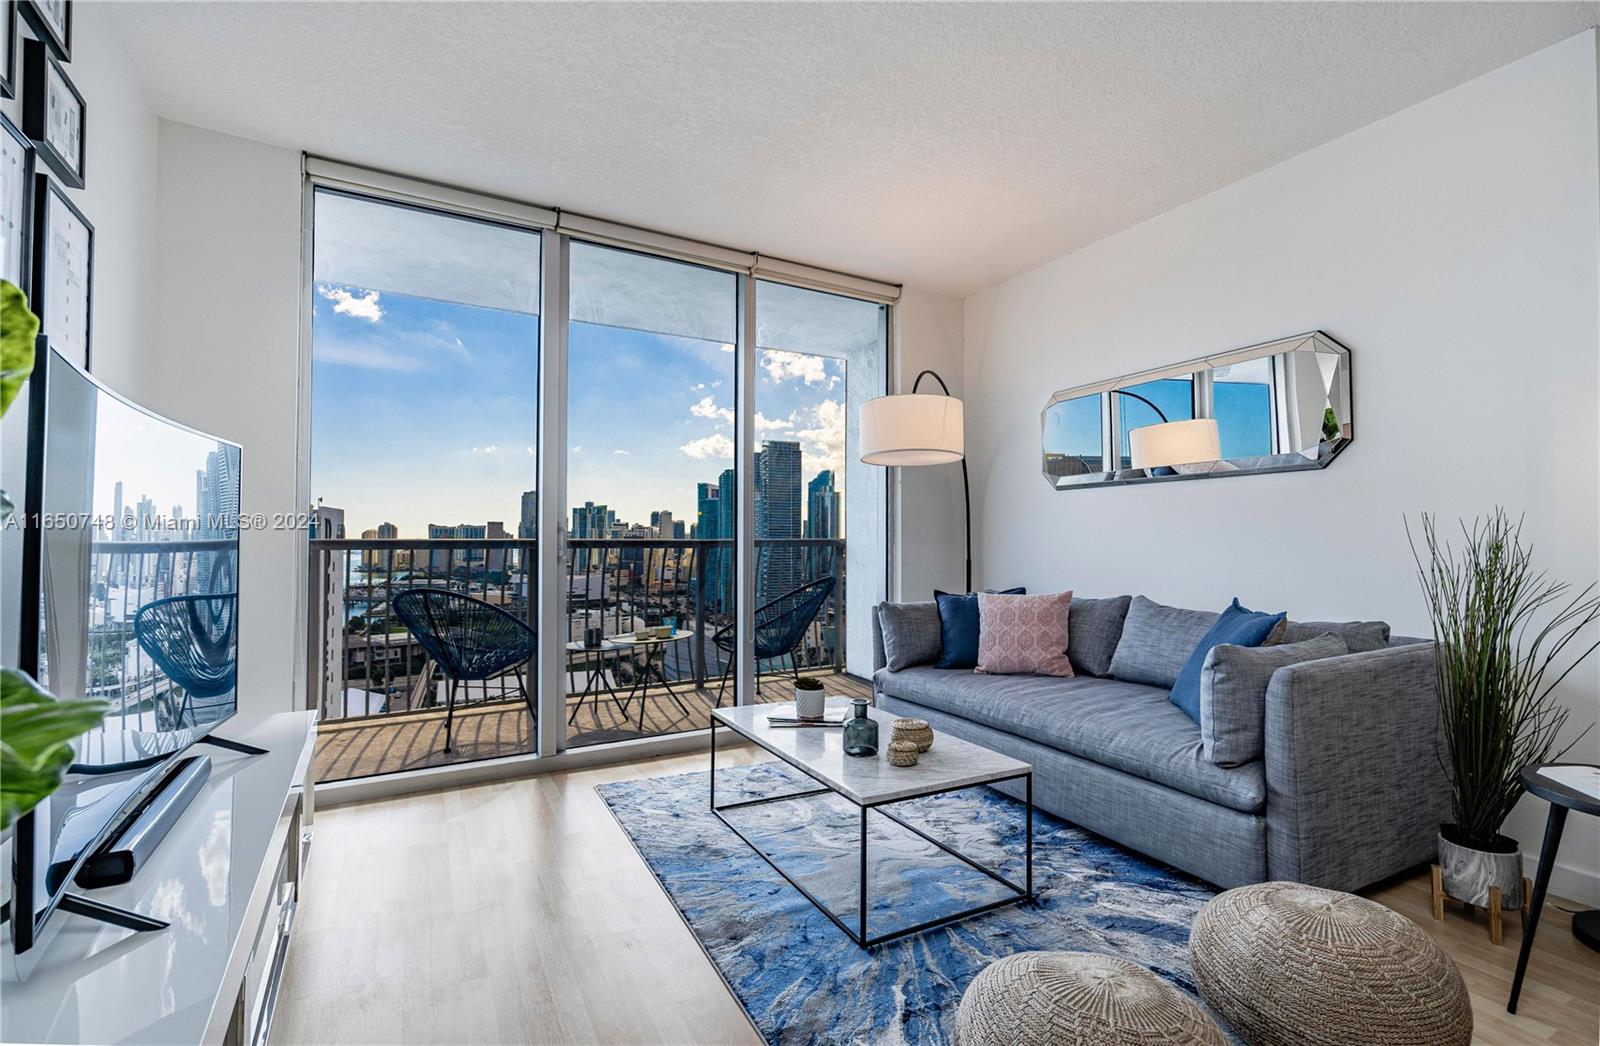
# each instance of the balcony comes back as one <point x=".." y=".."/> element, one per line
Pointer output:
<point x="381" y="703"/>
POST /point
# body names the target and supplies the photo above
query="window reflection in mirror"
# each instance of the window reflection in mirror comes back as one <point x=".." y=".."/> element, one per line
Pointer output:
<point x="1074" y="439"/>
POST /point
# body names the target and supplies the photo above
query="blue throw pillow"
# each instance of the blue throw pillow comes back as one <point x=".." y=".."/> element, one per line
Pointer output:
<point x="958" y="629"/>
<point x="1235" y="625"/>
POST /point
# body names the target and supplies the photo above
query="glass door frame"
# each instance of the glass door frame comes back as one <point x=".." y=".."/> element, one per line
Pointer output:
<point x="550" y="597"/>
<point x="554" y="510"/>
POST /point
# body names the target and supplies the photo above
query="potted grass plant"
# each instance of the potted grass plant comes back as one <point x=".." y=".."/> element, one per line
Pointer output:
<point x="1506" y="636"/>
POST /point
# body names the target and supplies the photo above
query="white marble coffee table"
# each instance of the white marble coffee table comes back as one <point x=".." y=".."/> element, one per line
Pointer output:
<point x="873" y="785"/>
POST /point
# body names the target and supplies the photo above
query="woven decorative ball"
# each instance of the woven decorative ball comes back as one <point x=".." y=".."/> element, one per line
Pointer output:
<point x="916" y="730"/>
<point x="1077" y="997"/>
<point x="902" y="753"/>
<point x="1288" y="963"/>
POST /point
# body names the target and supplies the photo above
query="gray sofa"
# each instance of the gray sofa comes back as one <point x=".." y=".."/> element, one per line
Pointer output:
<point x="1347" y="792"/>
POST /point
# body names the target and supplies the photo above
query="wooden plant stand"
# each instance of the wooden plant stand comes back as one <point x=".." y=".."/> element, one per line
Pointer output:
<point x="1496" y="930"/>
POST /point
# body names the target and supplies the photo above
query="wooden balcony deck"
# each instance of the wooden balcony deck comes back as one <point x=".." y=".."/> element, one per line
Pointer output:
<point x="411" y="740"/>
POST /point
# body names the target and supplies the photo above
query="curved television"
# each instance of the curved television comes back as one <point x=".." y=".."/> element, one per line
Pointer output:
<point x="130" y="595"/>
<point x="137" y="567"/>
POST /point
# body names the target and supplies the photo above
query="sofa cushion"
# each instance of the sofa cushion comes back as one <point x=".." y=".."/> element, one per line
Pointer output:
<point x="1156" y="640"/>
<point x="1359" y="636"/>
<point x="1023" y="635"/>
<point x="958" y="627"/>
<point x="1122" y="725"/>
<point x="1233" y="694"/>
<point x="1093" y="628"/>
<point x="910" y="634"/>
<point x="1237" y="625"/>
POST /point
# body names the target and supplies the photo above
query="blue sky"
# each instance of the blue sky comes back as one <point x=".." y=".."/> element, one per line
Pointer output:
<point x="425" y="411"/>
<point x="1242" y="409"/>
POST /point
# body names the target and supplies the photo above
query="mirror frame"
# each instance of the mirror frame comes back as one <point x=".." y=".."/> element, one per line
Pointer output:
<point x="1327" y="450"/>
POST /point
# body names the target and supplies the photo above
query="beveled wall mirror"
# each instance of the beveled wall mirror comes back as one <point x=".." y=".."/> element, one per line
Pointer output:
<point x="1277" y="407"/>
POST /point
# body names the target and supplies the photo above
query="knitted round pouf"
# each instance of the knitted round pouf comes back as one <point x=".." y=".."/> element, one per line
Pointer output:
<point x="1288" y="963"/>
<point x="1077" y="997"/>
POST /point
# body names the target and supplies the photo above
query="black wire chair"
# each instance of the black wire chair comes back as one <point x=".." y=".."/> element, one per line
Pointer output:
<point x="468" y="639"/>
<point x="779" y="626"/>
<point x="193" y="640"/>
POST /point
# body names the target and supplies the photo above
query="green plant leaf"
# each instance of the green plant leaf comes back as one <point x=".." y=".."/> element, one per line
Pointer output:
<point x="18" y="329"/>
<point x="35" y="729"/>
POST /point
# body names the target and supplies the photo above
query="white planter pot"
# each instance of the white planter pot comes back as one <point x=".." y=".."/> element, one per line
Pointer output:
<point x="810" y="704"/>
<point x="1468" y="873"/>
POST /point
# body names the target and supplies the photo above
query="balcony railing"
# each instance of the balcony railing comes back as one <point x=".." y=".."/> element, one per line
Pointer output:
<point x="363" y="663"/>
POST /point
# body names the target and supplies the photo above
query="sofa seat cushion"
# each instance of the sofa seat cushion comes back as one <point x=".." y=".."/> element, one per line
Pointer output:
<point x="1129" y="727"/>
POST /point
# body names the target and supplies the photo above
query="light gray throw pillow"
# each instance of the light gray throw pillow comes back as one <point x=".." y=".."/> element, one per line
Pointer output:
<point x="1156" y="641"/>
<point x="911" y="634"/>
<point x="1233" y="694"/>
<point x="1359" y="636"/>
<point x="1093" y="628"/>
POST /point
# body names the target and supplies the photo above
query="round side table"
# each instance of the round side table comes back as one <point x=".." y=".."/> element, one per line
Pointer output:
<point x="1562" y="796"/>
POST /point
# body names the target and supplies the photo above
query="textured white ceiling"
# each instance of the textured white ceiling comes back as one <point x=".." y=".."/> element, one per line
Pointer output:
<point x="946" y="146"/>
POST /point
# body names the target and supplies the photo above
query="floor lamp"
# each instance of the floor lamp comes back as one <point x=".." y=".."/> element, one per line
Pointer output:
<point x="913" y="430"/>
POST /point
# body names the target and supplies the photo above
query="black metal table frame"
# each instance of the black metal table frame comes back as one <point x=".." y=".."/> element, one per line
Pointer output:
<point x="597" y="681"/>
<point x="860" y="937"/>
<point x="655" y="657"/>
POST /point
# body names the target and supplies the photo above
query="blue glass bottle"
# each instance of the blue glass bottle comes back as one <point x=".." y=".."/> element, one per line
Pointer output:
<point x="860" y="730"/>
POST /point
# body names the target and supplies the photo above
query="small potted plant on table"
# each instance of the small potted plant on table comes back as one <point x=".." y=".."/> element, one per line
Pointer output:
<point x="810" y="699"/>
<point x="1500" y="627"/>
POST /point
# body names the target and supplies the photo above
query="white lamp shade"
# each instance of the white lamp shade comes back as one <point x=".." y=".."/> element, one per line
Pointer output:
<point x="1175" y="443"/>
<point x="911" y="430"/>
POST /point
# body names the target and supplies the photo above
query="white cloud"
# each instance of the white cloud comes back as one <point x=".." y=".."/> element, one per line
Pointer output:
<point x="364" y="307"/>
<point x="623" y="453"/>
<point x="707" y="408"/>
<point x="698" y="386"/>
<point x="766" y="424"/>
<point x="529" y="450"/>
<point x="812" y="370"/>
<point x="713" y="446"/>
<point x="360" y="354"/>
<point x="822" y="442"/>
<point x="493" y="448"/>
<point x="727" y="347"/>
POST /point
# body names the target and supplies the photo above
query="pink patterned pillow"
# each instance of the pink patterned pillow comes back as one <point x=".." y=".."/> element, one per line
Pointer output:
<point x="1023" y="635"/>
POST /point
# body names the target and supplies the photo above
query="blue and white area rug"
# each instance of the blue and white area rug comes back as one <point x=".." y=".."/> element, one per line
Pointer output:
<point x="802" y="980"/>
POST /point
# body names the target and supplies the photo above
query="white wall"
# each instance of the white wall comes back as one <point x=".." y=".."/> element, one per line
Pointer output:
<point x="224" y="356"/>
<point x="119" y="185"/>
<point x="927" y="501"/>
<point x="1453" y="248"/>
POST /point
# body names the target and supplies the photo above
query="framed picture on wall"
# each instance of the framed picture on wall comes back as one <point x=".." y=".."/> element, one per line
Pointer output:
<point x="63" y="267"/>
<point x="52" y="21"/>
<point x="52" y="113"/>
<point x="16" y="203"/>
<point x="8" y="40"/>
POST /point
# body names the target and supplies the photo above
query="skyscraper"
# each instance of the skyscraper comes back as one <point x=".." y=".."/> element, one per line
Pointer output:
<point x="528" y="527"/>
<point x="822" y="521"/>
<point x="720" y="583"/>
<point x="781" y="567"/>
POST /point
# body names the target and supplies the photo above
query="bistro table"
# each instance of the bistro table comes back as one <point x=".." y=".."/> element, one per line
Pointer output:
<point x="655" y="650"/>
<point x="597" y="680"/>
<point x="1562" y="796"/>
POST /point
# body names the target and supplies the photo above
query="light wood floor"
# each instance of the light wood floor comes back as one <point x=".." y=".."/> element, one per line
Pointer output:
<point x="518" y="912"/>
<point x="411" y="740"/>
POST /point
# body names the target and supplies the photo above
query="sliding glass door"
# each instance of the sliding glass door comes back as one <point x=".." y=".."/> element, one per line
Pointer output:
<point x="424" y="421"/>
<point x="651" y="490"/>
<point x="633" y="472"/>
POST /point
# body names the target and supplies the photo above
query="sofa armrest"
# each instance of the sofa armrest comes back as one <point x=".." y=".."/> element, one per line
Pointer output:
<point x="879" y="658"/>
<point x="1355" y="787"/>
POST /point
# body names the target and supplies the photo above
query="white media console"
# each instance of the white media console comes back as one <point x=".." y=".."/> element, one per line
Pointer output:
<point x="226" y="880"/>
